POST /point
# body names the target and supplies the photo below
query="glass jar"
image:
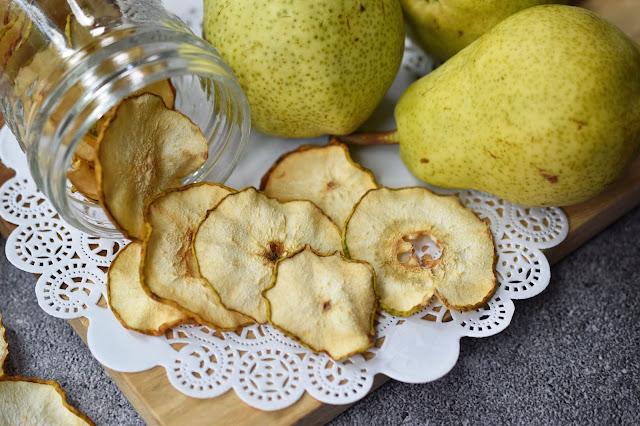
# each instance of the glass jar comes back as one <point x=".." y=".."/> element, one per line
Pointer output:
<point x="65" y="63"/>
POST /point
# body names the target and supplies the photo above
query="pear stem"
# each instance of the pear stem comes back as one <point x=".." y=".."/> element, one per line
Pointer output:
<point x="370" y="138"/>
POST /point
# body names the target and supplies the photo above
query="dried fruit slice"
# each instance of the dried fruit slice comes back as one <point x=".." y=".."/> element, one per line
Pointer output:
<point x="241" y="239"/>
<point x="130" y="303"/>
<point x="145" y="149"/>
<point x="34" y="402"/>
<point x="13" y="35"/>
<point x="86" y="149"/>
<point x="380" y="229"/>
<point x="325" y="175"/>
<point x="83" y="179"/>
<point x="168" y="267"/>
<point x="162" y="88"/>
<point x="77" y="35"/>
<point x="328" y="303"/>
<point x="4" y="349"/>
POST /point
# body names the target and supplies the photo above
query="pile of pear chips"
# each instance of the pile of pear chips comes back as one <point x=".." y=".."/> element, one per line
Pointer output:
<point x="28" y="401"/>
<point x="140" y="148"/>
<point x="314" y="252"/>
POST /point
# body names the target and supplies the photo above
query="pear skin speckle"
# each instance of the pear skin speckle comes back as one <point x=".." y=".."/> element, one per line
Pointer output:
<point x="445" y="27"/>
<point x="542" y="110"/>
<point x="308" y="68"/>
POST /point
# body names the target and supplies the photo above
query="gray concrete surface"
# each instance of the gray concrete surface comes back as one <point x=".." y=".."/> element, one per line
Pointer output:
<point x="570" y="356"/>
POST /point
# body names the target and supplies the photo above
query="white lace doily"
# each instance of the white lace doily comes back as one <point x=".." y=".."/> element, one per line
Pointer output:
<point x="266" y="369"/>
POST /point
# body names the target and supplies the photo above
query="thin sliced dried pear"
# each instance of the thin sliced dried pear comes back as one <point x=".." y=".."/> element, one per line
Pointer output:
<point x="77" y="34"/>
<point x="239" y="242"/>
<point x="380" y="229"/>
<point x="4" y="348"/>
<point x="130" y="303"/>
<point x="13" y="36"/>
<point x="327" y="303"/>
<point x="168" y="270"/>
<point x="325" y="175"/>
<point x="83" y="178"/>
<point x="144" y="149"/>
<point x="162" y="88"/>
<point x="86" y="149"/>
<point x="36" y="402"/>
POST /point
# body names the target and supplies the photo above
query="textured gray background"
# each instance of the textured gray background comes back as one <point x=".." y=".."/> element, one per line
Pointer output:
<point x="570" y="355"/>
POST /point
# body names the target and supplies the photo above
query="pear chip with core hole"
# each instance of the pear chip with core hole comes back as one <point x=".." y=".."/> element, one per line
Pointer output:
<point x="325" y="175"/>
<point x="328" y="303"/>
<point x="144" y="149"/>
<point x="130" y="303"/>
<point x="381" y="228"/>
<point x="168" y="270"/>
<point x="240" y="240"/>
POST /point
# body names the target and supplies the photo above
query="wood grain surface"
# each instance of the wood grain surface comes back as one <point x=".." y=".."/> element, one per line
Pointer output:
<point x="158" y="403"/>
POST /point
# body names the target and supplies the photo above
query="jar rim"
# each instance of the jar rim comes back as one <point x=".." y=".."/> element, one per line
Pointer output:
<point x="143" y="57"/>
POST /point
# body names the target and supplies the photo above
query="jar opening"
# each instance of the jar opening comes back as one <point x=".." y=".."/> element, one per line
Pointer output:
<point x="206" y="92"/>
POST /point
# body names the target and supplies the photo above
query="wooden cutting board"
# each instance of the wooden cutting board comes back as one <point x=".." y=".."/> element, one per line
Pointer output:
<point x="158" y="403"/>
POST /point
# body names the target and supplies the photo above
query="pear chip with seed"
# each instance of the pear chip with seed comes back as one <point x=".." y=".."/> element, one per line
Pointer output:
<point x="327" y="303"/>
<point x="144" y="149"/>
<point x="381" y="228"/>
<point x="240" y="240"/>
<point x="168" y="270"/>
<point x="130" y="303"/>
<point x="325" y="175"/>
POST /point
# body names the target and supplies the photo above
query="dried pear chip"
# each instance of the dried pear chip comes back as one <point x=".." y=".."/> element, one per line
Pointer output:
<point x="77" y="34"/>
<point x="162" y="88"/>
<point x="130" y="303"/>
<point x="168" y="270"/>
<point x="325" y="175"/>
<point x="86" y="149"/>
<point x="145" y="149"/>
<point x="4" y="348"/>
<point x="380" y="229"/>
<point x="83" y="178"/>
<point x="36" y="402"/>
<point x="239" y="242"/>
<point x="327" y="303"/>
<point x="13" y="35"/>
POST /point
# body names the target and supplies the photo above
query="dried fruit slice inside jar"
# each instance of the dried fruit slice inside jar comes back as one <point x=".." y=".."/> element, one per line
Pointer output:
<point x="241" y="239"/>
<point x="381" y="230"/>
<point x="145" y="149"/>
<point x="325" y="175"/>
<point x="130" y="303"/>
<point x="34" y="401"/>
<point x="169" y="269"/>
<point x="327" y="303"/>
<point x="83" y="178"/>
<point x="13" y="34"/>
<point x="87" y="147"/>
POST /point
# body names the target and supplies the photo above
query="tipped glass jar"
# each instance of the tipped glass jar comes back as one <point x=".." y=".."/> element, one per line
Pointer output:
<point x="66" y="63"/>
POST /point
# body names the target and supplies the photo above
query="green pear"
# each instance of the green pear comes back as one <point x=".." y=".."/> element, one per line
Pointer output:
<point x="445" y="27"/>
<point x="308" y="68"/>
<point x="542" y="110"/>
